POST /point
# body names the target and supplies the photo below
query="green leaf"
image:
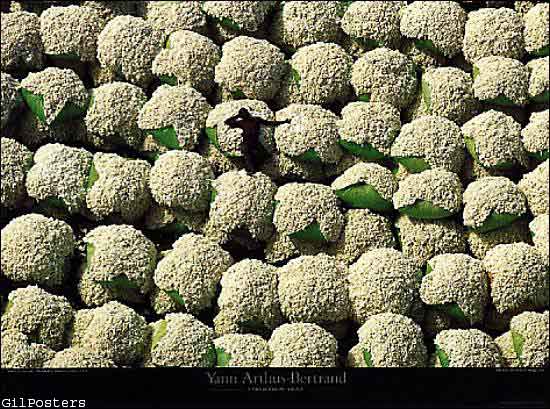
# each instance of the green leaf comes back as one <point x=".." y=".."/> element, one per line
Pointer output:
<point x="54" y="203"/>
<point x="496" y="221"/>
<point x="166" y="137"/>
<point x="475" y="72"/>
<point x="159" y="333"/>
<point x="35" y="104"/>
<point x="228" y="23"/>
<point x="93" y="176"/>
<point x="120" y="283"/>
<point x="310" y="233"/>
<point x="442" y="355"/>
<point x="429" y="269"/>
<point x="501" y="100"/>
<point x="542" y="98"/>
<point x="368" y="358"/>
<point x="365" y="151"/>
<point x="175" y="296"/>
<point x="167" y="44"/>
<point x="471" y="147"/>
<point x="212" y="134"/>
<point x="518" y="341"/>
<point x="541" y="156"/>
<point x="90" y="251"/>
<point x="424" y="209"/>
<point x="309" y="156"/>
<point x="296" y="77"/>
<point x="343" y="7"/>
<point x="453" y="310"/>
<point x="169" y="79"/>
<point x="541" y="52"/>
<point x="64" y="57"/>
<point x="213" y="195"/>
<point x="222" y="357"/>
<point x="238" y="94"/>
<point x="427" y="45"/>
<point x="210" y="357"/>
<point x="369" y="43"/>
<point x="413" y="164"/>
<point x="364" y="196"/>
<point x="363" y="97"/>
<point x="70" y="111"/>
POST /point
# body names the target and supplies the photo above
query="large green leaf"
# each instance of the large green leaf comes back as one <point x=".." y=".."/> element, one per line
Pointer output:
<point x="238" y="94"/>
<point x="64" y="57"/>
<point x="369" y="44"/>
<point x="310" y="233"/>
<point x="364" y="97"/>
<point x="168" y="44"/>
<point x="223" y="358"/>
<point x="363" y="196"/>
<point x="212" y="134"/>
<point x="122" y="288"/>
<point x="454" y="311"/>
<point x="518" y="341"/>
<point x="367" y="358"/>
<point x="169" y="79"/>
<point x="442" y="355"/>
<point x="413" y="164"/>
<point x="428" y="45"/>
<point x="542" y="98"/>
<point x="541" y="156"/>
<point x="93" y="176"/>
<point x="176" y="297"/>
<point x="475" y="72"/>
<point x="54" y="202"/>
<point x="90" y="251"/>
<point x="296" y="76"/>
<point x="120" y="284"/>
<point x="213" y="195"/>
<point x="496" y="221"/>
<point x="210" y="357"/>
<point x="471" y="147"/>
<point x="429" y="269"/>
<point x="228" y="23"/>
<point x="424" y="209"/>
<point x="159" y="333"/>
<point x="501" y="100"/>
<point x="35" y="104"/>
<point x="541" y="52"/>
<point x="166" y="136"/>
<point x="365" y="151"/>
<point x="309" y="156"/>
<point x="69" y="112"/>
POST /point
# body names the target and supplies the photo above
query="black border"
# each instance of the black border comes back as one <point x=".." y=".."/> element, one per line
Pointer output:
<point x="363" y="388"/>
